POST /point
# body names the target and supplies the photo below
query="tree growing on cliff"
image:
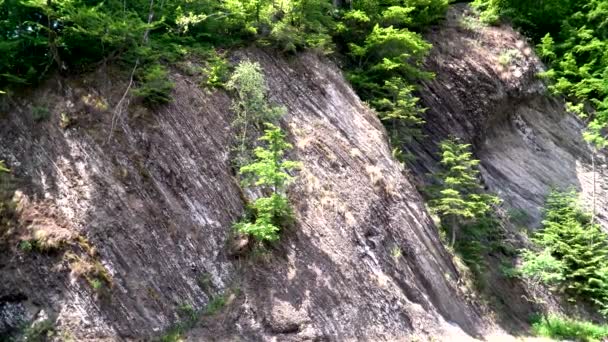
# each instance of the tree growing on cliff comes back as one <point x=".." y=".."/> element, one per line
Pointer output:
<point x="459" y="197"/>
<point x="269" y="172"/>
<point x="573" y="252"/>
<point x="251" y="106"/>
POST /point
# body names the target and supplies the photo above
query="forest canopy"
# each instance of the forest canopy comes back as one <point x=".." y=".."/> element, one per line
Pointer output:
<point x="38" y="37"/>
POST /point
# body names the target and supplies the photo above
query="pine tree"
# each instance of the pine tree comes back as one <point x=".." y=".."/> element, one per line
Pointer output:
<point x="570" y="240"/>
<point x="459" y="198"/>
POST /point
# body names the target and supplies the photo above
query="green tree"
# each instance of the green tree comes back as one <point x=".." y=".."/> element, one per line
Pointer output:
<point x="459" y="198"/>
<point x="385" y="57"/>
<point x="400" y="110"/>
<point x="251" y="106"/>
<point x="269" y="173"/>
<point x="573" y="251"/>
<point x="155" y="88"/>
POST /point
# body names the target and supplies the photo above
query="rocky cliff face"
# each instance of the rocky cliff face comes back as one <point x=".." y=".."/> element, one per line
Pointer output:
<point x="487" y="92"/>
<point x="135" y="206"/>
<point x="138" y="219"/>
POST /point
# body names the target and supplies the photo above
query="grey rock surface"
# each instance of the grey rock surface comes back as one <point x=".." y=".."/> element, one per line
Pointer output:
<point x="157" y="199"/>
<point x="527" y="142"/>
<point x="150" y="196"/>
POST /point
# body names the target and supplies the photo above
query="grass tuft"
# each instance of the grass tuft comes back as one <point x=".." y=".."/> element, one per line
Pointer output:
<point x="563" y="328"/>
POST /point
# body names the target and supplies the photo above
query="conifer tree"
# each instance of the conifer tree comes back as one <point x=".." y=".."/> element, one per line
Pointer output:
<point x="459" y="198"/>
<point x="575" y="246"/>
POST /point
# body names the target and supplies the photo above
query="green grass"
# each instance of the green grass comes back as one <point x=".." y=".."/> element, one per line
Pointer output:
<point x="189" y="316"/>
<point x="562" y="328"/>
<point x="216" y="304"/>
<point x="39" y="331"/>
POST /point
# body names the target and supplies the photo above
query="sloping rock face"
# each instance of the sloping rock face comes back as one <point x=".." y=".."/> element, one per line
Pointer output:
<point x="138" y="207"/>
<point x="487" y="92"/>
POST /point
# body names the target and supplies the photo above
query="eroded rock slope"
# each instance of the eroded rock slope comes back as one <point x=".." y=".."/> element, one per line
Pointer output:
<point x="138" y="205"/>
<point x="143" y="216"/>
<point x="487" y="92"/>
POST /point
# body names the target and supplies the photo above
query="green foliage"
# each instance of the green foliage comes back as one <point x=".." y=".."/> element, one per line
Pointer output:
<point x="216" y="304"/>
<point x="387" y="53"/>
<point x="269" y="211"/>
<point x="383" y="52"/>
<point x="542" y="267"/>
<point x="251" y="105"/>
<point x="471" y="23"/>
<point x="396" y="253"/>
<point x="301" y="24"/>
<point x="269" y="172"/>
<point x="384" y="56"/>
<point x="477" y="238"/>
<point x="39" y="331"/>
<point x="459" y="198"/>
<point x="36" y="36"/>
<point x="41" y="244"/>
<point x="489" y="12"/>
<point x="463" y="207"/>
<point x="26" y="246"/>
<point x="563" y="328"/>
<point x="189" y="316"/>
<point x="65" y="121"/>
<point x="3" y="168"/>
<point x="532" y="16"/>
<point x="546" y="48"/>
<point x="574" y="252"/>
<point x="73" y="35"/>
<point x="96" y="284"/>
<point x="155" y="87"/>
<point x="506" y="57"/>
<point x="518" y="216"/>
<point x="218" y="71"/>
<point x="269" y="169"/>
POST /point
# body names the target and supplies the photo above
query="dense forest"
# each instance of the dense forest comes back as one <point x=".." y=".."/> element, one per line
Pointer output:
<point x="381" y="48"/>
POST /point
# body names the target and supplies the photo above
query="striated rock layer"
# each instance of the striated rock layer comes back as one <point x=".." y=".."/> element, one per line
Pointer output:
<point x="488" y="93"/>
<point x="136" y="206"/>
<point x="152" y="204"/>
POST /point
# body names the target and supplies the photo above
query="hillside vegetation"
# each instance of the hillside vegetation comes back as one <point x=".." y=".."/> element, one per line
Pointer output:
<point x="380" y="46"/>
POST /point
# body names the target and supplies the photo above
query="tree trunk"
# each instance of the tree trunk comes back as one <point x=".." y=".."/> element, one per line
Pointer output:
<point x="594" y="191"/>
<point x="453" y="227"/>
<point x="52" y="38"/>
<point x="150" y="18"/>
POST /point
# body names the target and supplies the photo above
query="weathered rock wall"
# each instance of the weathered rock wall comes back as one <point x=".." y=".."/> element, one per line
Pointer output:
<point x="153" y="202"/>
<point x="487" y="92"/>
<point x="156" y="199"/>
